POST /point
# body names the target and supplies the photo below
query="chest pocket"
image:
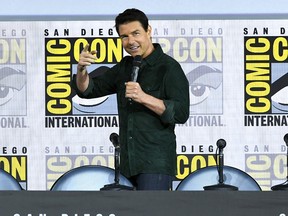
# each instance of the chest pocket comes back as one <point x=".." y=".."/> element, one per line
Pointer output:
<point x="153" y="90"/>
<point x="152" y="82"/>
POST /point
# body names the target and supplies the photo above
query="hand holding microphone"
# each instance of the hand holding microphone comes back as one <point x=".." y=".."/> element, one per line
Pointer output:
<point x="133" y="89"/>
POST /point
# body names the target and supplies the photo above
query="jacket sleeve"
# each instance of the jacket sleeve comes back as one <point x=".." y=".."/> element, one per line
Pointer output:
<point x="177" y="100"/>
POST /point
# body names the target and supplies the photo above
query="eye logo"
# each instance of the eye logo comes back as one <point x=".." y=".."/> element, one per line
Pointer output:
<point x="205" y="90"/>
<point x="12" y="94"/>
<point x="279" y="91"/>
<point x="101" y="105"/>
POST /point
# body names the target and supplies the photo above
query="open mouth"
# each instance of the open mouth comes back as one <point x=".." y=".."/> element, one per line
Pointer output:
<point x="133" y="48"/>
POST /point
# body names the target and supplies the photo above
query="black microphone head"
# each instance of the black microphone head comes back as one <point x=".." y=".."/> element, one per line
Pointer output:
<point x="286" y="139"/>
<point x="221" y="143"/>
<point x="114" y="138"/>
<point x="137" y="61"/>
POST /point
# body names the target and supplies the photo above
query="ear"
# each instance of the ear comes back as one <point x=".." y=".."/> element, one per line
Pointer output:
<point x="149" y="30"/>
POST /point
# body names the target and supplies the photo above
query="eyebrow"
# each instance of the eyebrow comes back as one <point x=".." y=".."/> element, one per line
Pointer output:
<point x="133" y="32"/>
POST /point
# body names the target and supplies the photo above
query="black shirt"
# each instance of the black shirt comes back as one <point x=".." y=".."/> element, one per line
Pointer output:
<point x="147" y="141"/>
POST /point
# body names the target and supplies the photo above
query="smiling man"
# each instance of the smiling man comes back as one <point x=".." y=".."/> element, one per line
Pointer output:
<point x="148" y="107"/>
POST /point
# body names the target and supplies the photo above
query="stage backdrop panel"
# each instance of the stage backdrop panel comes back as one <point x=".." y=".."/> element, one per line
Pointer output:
<point x="237" y="70"/>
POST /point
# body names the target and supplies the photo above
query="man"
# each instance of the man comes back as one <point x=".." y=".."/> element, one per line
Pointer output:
<point x="148" y="108"/>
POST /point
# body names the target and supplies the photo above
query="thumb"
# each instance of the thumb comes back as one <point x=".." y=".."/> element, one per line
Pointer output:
<point x="86" y="48"/>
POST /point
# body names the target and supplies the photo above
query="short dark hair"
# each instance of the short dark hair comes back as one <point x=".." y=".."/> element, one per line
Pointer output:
<point x="130" y="15"/>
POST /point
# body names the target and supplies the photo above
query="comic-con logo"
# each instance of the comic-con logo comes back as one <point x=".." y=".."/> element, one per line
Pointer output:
<point x="266" y="78"/>
<point x="13" y="104"/>
<point x="58" y="165"/>
<point x="267" y="169"/>
<point x="188" y="163"/>
<point x="201" y="60"/>
<point x="63" y="107"/>
<point x="16" y="166"/>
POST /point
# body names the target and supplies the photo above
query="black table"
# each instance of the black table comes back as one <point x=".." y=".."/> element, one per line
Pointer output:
<point x="143" y="203"/>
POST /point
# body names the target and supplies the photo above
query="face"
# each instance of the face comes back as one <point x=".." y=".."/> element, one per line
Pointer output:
<point x="135" y="40"/>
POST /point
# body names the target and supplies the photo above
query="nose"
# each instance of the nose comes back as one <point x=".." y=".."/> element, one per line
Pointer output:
<point x="130" y="39"/>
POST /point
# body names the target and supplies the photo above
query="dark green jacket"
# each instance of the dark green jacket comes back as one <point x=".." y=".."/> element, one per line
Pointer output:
<point x="147" y="141"/>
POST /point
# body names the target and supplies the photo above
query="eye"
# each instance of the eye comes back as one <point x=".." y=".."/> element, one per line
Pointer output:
<point x="279" y="92"/>
<point x="11" y="82"/>
<point x="136" y="33"/>
<point x="281" y="97"/>
<point x="123" y="37"/>
<point x="203" y="80"/>
<point x="6" y="94"/>
<point x="199" y="93"/>
<point x="91" y="105"/>
<point x="280" y="100"/>
<point x="84" y="105"/>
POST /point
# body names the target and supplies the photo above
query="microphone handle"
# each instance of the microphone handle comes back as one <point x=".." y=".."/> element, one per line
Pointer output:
<point x="287" y="163"/>
<point x="134" y="74"/>
<point x="221" y="166"/>
<point x="117" y="164"/>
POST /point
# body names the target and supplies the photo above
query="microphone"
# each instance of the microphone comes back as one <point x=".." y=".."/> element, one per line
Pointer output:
<point x="221" y="143"/>
<point x="286" y="139"/>
<point x="136" y="66"/>
<point x="116" y="186"/>
<point x="114" y="138"/>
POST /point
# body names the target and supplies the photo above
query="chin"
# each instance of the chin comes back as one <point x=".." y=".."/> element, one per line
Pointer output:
<point x="135" y="53"/>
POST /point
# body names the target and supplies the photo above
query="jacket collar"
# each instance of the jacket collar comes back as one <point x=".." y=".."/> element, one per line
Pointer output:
<point x="155" y="55"/>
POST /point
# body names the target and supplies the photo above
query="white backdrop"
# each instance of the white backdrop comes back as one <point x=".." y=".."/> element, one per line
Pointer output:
<point x="229" y="63"/>
<point x="113" y="7"/>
